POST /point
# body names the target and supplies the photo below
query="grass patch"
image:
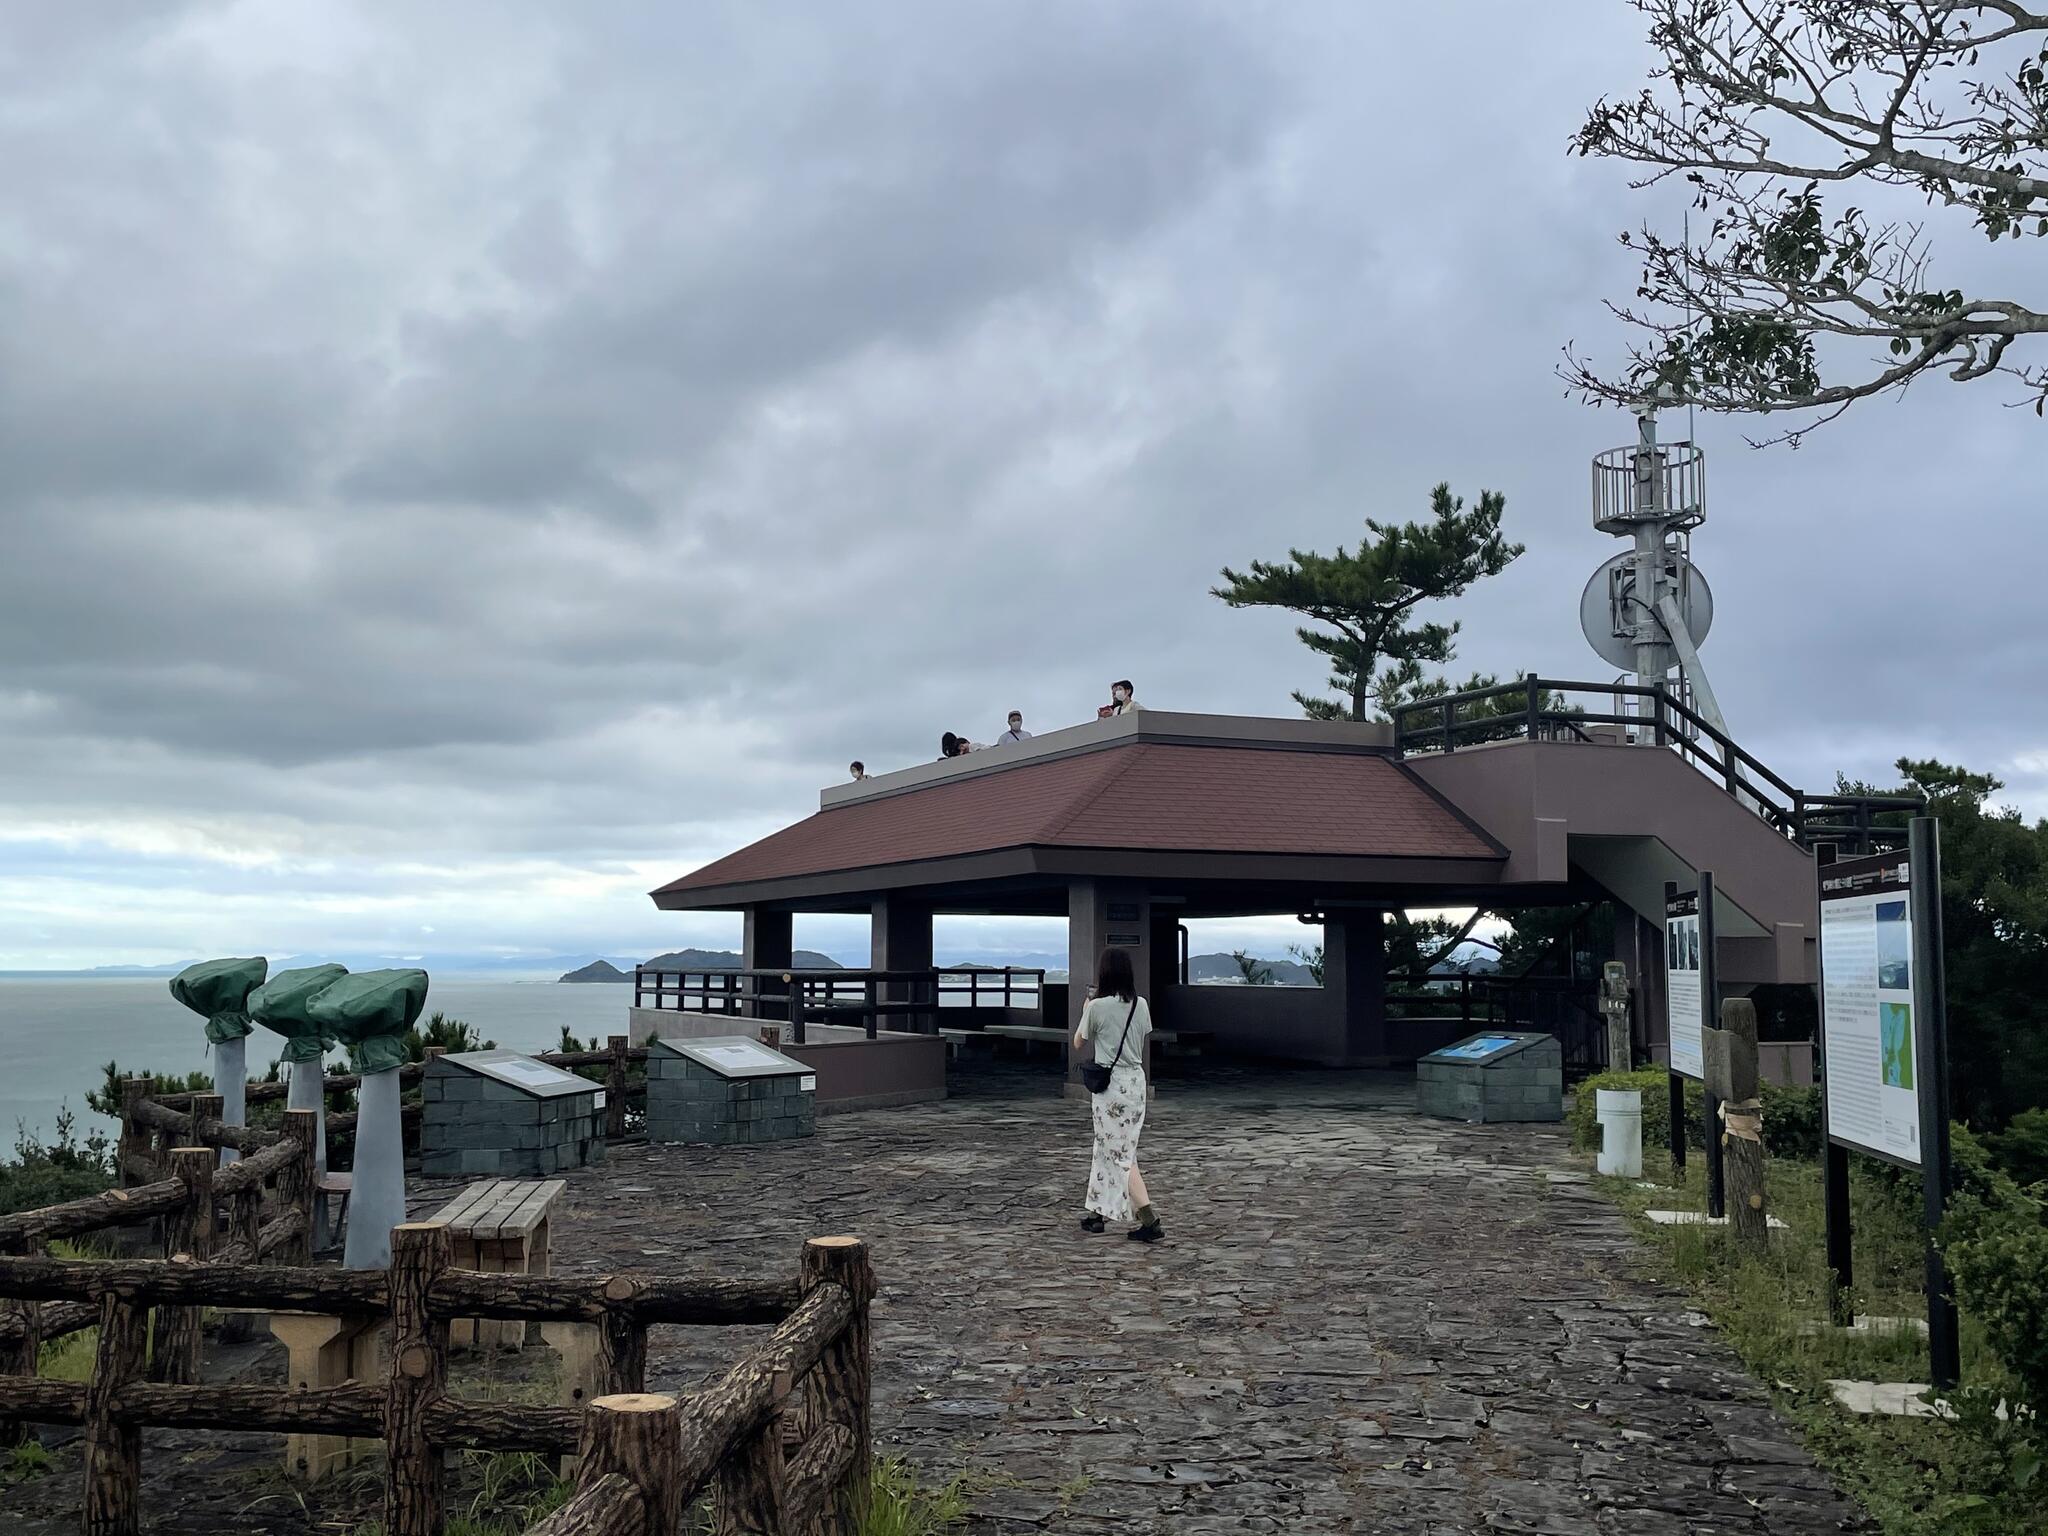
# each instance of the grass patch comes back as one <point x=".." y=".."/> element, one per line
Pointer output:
<point x="898" y="1505"/>
<point x="1916" y="1477"/>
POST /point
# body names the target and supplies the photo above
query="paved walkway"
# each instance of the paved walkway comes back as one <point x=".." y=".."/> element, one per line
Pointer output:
<point x="1361" y="1321"/>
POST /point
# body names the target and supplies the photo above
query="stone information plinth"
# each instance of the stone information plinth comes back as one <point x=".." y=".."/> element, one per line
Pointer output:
<point x="1496" y="1076"/>
<point x="727" y="1089"/>
<point x="504" y="1115"/>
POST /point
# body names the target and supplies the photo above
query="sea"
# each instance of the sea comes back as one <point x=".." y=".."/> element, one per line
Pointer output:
<point x="57" y="1034"/>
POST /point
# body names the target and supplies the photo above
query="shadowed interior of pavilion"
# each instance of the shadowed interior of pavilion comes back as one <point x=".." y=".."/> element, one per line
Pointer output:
<point x="1132" y="827"/>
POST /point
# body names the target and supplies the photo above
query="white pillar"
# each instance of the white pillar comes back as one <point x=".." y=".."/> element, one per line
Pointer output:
<point x="376" y="1201"/>
<point x="231" y="1077"/>
<point x="305" y="1088"/>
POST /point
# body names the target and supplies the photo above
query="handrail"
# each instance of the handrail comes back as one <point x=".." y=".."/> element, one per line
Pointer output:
<point x="811" y="1372"/>
<point x="1434" y="724"/>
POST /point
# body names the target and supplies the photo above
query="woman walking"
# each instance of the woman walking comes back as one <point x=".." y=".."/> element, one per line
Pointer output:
<point x="1115" y="1023"/>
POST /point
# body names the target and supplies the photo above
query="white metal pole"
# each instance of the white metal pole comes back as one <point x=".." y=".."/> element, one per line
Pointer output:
<point x="377" y="1193"/>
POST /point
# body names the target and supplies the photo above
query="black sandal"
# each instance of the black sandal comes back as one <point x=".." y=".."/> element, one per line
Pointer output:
<point x="1151" y="1232"/>
<point x="1092" y="1223"/>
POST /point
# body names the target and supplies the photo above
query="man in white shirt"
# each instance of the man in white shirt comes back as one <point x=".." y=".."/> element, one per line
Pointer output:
<point x="1016" y="732"/>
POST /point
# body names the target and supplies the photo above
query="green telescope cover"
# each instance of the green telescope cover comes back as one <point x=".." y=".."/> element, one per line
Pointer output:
<point x="369" y="1012"/>
<point x="220" y="989"/>
<point x="281" y="1003"/>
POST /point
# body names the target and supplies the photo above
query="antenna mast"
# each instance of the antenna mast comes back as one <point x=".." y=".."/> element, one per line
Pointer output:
<point x="1648" y="610"/>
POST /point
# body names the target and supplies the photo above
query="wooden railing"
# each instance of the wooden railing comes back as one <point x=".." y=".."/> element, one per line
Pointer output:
<point x="865" y="999"/>
<point x="1542" y="709"/>
<point x="190" y="1203"/>
<point x="782" y="1439"/>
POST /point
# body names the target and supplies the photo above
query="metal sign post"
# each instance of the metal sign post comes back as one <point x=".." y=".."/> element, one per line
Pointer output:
<point x="1834" y="1175"/>
<point x="1710" y="1018"/>
<point x="1691" y="1003"/>
<point x="1884" y="1050"/>
<point x="1944" y="1348"/>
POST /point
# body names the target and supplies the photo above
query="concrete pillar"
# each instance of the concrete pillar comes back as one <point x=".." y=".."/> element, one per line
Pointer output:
<point x="766" y="945"/>
<point x="1163" y="929"/>
<point x="1355" y="986"/>
<point x="900" y="939"/>
<point x="1101" y="913"/>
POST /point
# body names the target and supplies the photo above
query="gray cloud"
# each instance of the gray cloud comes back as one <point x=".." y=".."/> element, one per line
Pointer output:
<point x="501" y="453"/>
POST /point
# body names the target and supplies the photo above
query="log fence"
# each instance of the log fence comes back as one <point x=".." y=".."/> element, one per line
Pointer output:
<point x="780" y="1442"/>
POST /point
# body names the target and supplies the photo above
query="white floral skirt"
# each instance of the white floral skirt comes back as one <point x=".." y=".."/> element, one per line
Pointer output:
<point x="1119" y="1117"/>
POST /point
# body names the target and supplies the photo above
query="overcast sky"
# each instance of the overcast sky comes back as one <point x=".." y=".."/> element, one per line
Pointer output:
<point x="464" y="465"/>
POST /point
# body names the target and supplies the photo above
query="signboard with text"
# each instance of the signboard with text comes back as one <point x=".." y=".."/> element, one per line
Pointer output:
<point x="1682" y="978"/>
<point x="1871" y="1014"/>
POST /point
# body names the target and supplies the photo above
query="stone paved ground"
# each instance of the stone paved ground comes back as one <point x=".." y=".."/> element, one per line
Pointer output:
<point x="1361" y="1321"/>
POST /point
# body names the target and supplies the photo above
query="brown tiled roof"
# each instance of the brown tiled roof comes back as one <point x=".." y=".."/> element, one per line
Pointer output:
<point x="1146" y="795"/>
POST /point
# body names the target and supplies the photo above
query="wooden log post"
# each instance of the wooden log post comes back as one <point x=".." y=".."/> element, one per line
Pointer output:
<point x="188" y="1235"/>
<point x="204" y="1107"/>
<point x="621" y="1341"/>
<point x="1742" y="1119"/>
<point x="18" y="1351"/>
<point x="295" y="1184"/>
<point x="113" y="1451"/>
<point x="132" y="1149"/>
<point x="420" y="1252"/>
<point x="748" y="1491"/>
<point x="638" y="1437"/>
<point x="837" y="1389"/>
<point x="615" y="1089"/>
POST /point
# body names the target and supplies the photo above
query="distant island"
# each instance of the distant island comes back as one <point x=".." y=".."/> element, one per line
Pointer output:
<point x="694" y="960"/>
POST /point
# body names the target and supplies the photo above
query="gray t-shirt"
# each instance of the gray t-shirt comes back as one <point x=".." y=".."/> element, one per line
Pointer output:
<point x="1103" y="1020"/>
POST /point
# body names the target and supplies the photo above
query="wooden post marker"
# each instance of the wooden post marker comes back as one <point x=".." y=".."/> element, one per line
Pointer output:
<point x="113" y="1452"/>
<point x="419" y="1375"/>
<point x="615" y="1088"/>
<point x="836" y="1389"/>
<point x="1730" y="1059"/>
<point x="188" y="1235"/>
<point x="621" y="1341"/>
<point x="133" y="1147"/>
<point x="19" y="1357"/>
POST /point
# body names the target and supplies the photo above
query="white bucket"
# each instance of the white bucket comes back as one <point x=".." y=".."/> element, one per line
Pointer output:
<point x="1620" y="1113"/>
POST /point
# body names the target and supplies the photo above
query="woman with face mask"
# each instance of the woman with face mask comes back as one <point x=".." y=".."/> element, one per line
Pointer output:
<point x="1122" y="701"/>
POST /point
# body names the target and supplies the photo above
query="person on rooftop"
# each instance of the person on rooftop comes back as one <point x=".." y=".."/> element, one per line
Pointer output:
<point x="1016" y="733"/>
<point x="858" y="770"/>
<point x="951" y="745"/>
<point x="1114" y="1024"/>
<point x="1122" y="701"/>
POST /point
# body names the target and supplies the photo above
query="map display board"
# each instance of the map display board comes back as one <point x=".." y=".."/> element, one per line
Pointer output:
<point x="1682" y="940"/>
<point x="1869" y="1011"/>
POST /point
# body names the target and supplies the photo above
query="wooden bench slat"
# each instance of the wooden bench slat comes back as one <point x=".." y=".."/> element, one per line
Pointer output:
<point x="458" y="1210"/>
<point x="535" y="1209"/>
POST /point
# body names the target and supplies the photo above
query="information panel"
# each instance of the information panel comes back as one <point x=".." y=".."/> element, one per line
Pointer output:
<point x="1868" y="1031"/>
<point x="1682" y="981"/>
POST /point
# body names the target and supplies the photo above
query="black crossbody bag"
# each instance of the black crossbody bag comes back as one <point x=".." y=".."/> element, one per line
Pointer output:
<point x="1094" y="1075"/>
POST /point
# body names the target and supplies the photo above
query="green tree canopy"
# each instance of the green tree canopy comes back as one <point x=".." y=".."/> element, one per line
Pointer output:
<point x="1366" y="601"/>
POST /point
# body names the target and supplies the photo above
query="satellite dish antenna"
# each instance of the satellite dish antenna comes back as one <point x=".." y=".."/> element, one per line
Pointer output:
<point x="1608" y="608"/>
<point x="1647" y="611"/>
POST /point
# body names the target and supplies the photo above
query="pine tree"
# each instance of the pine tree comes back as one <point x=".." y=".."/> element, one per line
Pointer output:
<point x="1366" y="600"/>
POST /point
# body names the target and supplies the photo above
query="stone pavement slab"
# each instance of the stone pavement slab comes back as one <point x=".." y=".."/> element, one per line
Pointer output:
<point x="1360" y="1320"/>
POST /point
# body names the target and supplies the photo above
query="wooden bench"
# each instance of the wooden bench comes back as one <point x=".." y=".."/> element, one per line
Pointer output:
<point x="967" y="1042"/>
<point x="500" y="1226"/>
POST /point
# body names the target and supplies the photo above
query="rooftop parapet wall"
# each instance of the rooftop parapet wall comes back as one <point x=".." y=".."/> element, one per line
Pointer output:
<point x="1148" y="725"/>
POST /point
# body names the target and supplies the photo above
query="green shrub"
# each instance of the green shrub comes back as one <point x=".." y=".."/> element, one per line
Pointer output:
<point x="2021" y="1149"/>
<point x="65" y="1169"/>
<point x="1791" y="1115"/>
<point x="1996" y="1242"/>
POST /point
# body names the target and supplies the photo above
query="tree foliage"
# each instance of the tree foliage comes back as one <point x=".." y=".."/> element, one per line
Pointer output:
<point x="1767" y="109"/>
<point x="1366" y="600"/>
